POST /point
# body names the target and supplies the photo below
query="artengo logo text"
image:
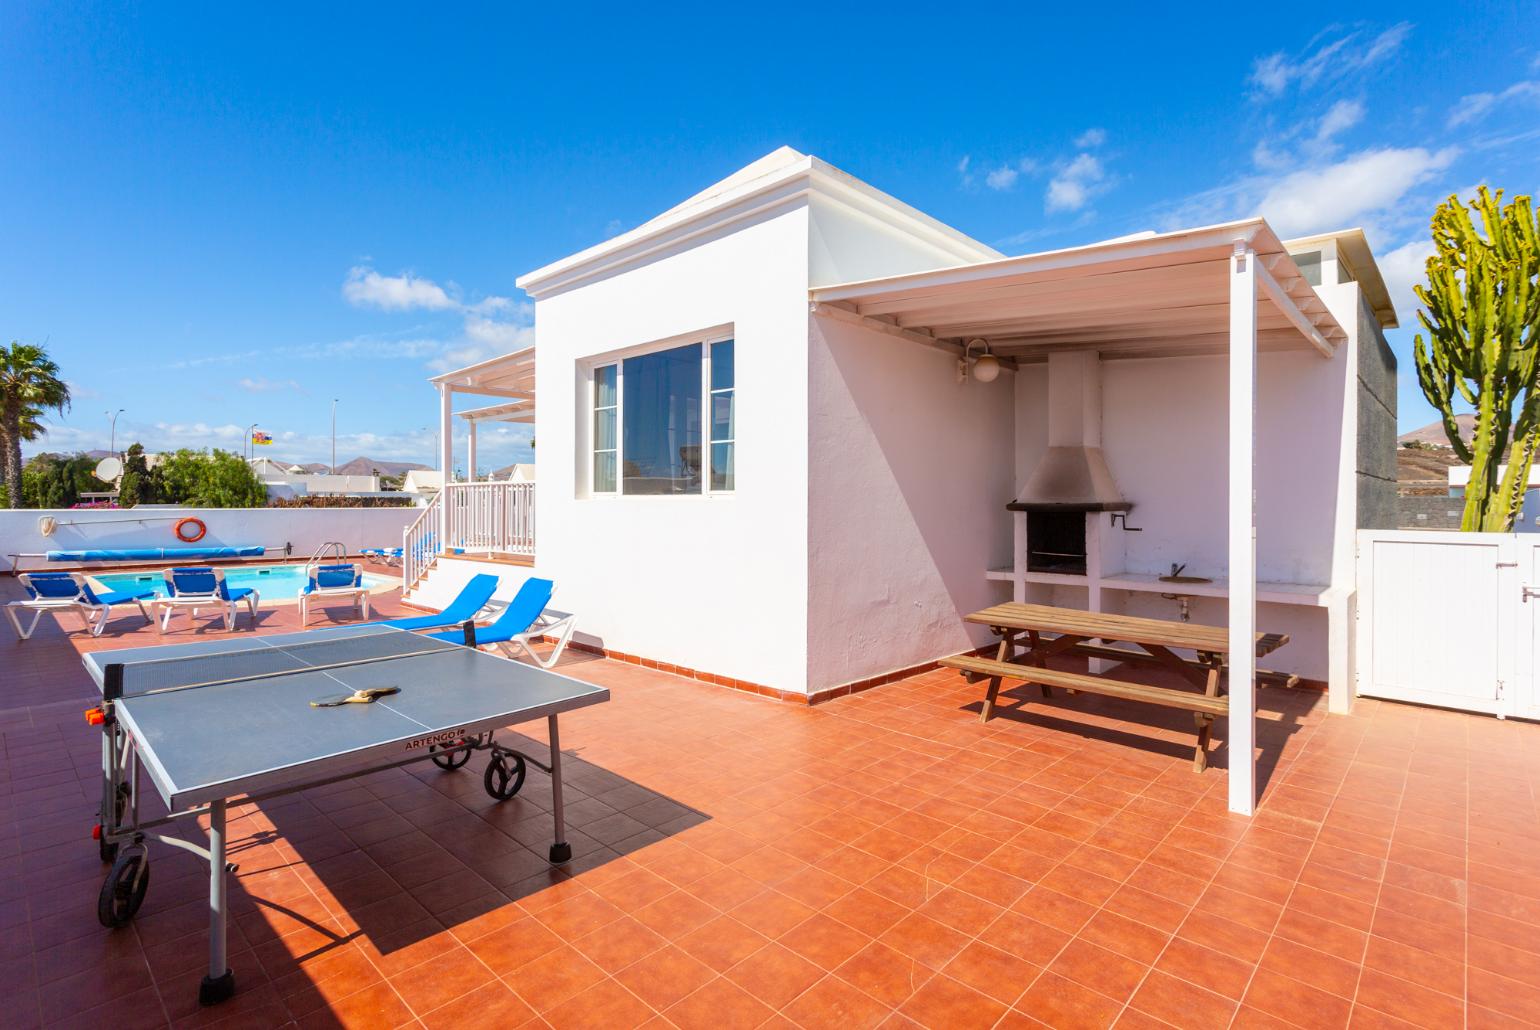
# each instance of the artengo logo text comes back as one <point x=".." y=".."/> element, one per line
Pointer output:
<point x="447" y="737"/>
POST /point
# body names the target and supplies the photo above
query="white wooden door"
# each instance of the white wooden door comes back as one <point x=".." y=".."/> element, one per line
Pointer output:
<point x="1437" y="617"/>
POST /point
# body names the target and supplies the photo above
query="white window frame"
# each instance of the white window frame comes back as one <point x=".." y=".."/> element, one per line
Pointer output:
<point x="617" y="360"/>
<point x="709" y="420"/>
<point x="593" y="434"/>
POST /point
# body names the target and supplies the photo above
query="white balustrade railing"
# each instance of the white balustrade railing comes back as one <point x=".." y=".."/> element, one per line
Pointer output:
<point x="419" y="544"/>
<point x="493" y="518"/>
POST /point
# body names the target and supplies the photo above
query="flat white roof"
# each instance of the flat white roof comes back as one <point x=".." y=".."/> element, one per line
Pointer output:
<point x="1149" y="295"/>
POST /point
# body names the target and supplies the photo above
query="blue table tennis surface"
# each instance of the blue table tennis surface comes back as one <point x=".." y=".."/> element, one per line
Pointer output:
<point x="254" y="735"/>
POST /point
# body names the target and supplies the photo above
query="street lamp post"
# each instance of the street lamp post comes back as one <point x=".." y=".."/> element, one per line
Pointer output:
<point x="112" y="437"/>
<point x="334" y="436"/>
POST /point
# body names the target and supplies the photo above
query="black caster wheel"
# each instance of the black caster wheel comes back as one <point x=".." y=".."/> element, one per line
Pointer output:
<point x="109" y="850"/>
<point x="450" y="762"/>
<point x="504" y="776"/>
<point x="123" y="891"/>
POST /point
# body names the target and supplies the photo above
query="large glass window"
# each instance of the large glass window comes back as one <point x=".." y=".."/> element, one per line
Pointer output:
<point x="723" y="427"/>
<point x="664" y="422"/>
<point x="661" y="433"/>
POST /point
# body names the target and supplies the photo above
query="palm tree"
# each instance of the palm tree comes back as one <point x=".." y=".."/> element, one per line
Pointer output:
<point x="29" y="384"/>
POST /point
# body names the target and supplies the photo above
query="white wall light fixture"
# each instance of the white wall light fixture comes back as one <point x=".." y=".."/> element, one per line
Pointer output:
<point x="986" y="367"/>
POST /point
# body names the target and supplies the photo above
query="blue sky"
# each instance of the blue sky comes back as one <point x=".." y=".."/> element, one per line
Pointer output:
<point x="217" y="217"/>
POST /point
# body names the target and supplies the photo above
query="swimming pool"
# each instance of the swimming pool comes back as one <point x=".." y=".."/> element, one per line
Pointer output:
<point x="272" y="582"/>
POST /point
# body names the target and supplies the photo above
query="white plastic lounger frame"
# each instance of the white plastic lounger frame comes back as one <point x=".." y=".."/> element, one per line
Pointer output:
<point x="97" y="614"/>
<point x="93" y="616"/>
<point x="40" y="606"/>
<point x="314" y="592"/>
<point x="558" y="625"/>
<point x="166" y="606"/>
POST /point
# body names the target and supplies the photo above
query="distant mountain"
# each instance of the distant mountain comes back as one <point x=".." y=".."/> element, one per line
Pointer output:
<point x="1433" y="433"/>
<point x="369" y="466"/>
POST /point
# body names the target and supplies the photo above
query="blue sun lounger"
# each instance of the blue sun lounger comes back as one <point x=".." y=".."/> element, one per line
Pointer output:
<point x="472" y="598"/>
<point x="69" y="592"/>
<point x="521" y="623"/>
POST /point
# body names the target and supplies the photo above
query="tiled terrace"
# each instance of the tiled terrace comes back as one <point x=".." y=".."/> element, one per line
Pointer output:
<point x="878" y="860"/>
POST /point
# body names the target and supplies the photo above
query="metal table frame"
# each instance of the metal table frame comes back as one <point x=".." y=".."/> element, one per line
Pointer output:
<point x="121" y="826"/>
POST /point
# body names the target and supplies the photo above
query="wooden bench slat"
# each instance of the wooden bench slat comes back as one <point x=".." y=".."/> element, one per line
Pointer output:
<point x="1107" y="626"/>
<point x="1091" y="684"/>
<point x="1123" y="654"/>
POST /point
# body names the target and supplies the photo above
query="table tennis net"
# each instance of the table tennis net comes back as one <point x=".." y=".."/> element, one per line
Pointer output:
<point x="161" y="674"/>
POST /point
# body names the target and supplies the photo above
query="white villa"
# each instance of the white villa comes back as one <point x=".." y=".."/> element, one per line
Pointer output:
<point x="792" y="430"/>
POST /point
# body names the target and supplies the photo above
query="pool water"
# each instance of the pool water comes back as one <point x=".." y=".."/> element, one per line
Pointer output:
<point x="272" y="582"/>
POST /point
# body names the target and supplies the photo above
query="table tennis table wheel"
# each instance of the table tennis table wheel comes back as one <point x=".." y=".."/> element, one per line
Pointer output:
<point x="123" y="891"/>
<point x="503" y="778"/>
<point x="451" y="761"/>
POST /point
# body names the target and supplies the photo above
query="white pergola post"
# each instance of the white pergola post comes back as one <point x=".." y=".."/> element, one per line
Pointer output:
<point x="1243" y="530"/>
<point x="470" y="453"/>
<point x="446" y="459"/>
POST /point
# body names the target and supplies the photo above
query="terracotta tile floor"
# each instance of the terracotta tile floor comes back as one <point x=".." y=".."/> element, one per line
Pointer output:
<point x="879" y="860"/>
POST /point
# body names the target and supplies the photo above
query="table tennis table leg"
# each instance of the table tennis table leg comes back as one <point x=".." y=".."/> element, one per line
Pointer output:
<point x="561" y="851"/>
<point x="219" y="984"/>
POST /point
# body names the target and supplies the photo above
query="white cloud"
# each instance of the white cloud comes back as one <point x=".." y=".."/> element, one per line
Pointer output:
<point x="1325" y="61"/>
<point x="1002" y="178"/>
<point x="1342" y="194"/>
<point x="1091" y="139"/>
<point x="1476" y="106"/>
<point x="964" y="173"/>
<point x="1377" y="189"/>
<point x="261" y="384"/>
<point x="364" y="287"/>
<point x="1343" y="115"/>
<point x="1073" y="185"/>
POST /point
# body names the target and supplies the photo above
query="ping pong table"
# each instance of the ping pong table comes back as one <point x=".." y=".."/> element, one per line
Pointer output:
<point x="215" y="720"/>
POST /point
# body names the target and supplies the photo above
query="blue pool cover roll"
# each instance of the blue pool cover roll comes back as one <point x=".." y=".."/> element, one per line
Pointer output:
<point x="156" y="554"/>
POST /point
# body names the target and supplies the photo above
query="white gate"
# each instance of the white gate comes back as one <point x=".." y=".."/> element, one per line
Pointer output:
<point x="1450" y="619"/>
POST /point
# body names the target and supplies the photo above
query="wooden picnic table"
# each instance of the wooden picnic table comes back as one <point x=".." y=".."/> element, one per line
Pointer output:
<point x="1094" y="635"/>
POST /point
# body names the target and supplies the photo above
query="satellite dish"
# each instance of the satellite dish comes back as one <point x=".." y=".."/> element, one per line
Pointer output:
<point x="109" y="469"/>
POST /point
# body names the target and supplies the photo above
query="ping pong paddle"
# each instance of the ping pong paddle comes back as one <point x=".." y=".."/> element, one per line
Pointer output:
<point x="361" y="696"/>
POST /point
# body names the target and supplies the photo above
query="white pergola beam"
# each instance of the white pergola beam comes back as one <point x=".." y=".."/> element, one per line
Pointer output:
<point x="1198" y="321"/>
<point x="1178" y="277"/>
<point x="1286" y="306"/>
<point x="1168" y="249"/>
<point x="1242" y="602"/>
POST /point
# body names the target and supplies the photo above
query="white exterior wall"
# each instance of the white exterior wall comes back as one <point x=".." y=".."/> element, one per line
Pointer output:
<point x="1165" y="433"/>
<point x="908" y="482"/>
<point x="306" y="528"/>
<point x="714" y="583"/>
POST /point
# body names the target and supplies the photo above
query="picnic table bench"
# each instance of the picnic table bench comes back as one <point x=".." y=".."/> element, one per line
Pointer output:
<point x="1051" y="631"/>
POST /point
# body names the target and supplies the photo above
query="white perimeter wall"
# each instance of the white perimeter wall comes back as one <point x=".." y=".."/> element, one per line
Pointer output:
<point x="718" y="583"/>
<point x="306" y="528"/>
<point x="910" y="473"/>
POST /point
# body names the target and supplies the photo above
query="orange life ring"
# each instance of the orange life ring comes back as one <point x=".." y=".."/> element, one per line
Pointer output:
<point x="198" y="530"/>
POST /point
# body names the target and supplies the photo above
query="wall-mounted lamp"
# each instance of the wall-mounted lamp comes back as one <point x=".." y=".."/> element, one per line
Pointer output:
<point x="986" y="367"/>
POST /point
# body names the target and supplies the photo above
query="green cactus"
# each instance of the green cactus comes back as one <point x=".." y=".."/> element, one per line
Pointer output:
<point x="1481" y="309"/>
